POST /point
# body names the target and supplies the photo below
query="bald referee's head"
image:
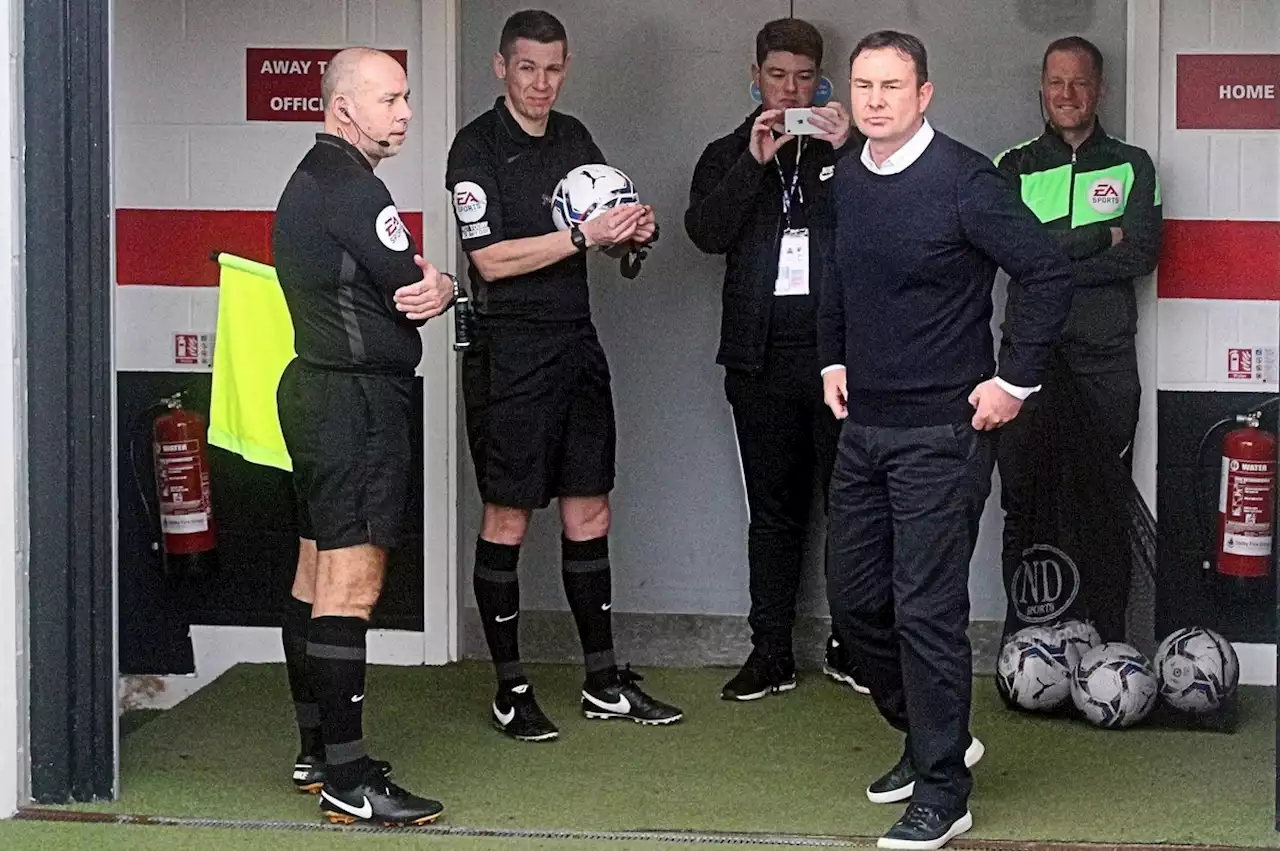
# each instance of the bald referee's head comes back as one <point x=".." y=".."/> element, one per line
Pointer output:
<point x="366" y="99"/>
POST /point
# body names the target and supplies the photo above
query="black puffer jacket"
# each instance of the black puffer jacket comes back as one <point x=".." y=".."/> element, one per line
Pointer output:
<point x="735" y="209"/>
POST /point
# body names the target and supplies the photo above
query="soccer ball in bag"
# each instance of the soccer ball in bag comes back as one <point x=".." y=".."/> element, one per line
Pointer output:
<point x="1079" y="636"/>
<point x="1197" y="669"/>
<point x="1034" y="669"/>
<point x="589" y="191"/>
<point x="1114" y="685"/>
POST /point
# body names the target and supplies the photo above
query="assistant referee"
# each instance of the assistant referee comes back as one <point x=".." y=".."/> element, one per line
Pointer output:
<point x="539" y="406"/>
<point x="357" y="292"/>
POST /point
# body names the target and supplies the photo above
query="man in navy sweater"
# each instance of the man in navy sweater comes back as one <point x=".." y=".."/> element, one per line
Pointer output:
<point x="904" y="335"/>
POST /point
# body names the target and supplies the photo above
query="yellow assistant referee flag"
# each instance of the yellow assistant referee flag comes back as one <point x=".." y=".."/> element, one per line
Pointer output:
<point x="254" y="344"/>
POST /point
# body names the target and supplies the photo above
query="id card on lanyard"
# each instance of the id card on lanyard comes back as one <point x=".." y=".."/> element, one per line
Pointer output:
<point x="793" y="253"/>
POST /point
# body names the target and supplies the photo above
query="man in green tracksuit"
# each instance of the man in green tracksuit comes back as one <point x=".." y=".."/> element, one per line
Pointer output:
<point x="1101" y="198"/>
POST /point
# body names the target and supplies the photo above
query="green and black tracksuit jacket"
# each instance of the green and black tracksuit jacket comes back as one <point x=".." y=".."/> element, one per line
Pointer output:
<point x="1080" y="195"/>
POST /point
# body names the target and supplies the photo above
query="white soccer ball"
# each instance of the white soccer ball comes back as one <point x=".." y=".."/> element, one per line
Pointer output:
<point x="1114" y="685"/>
<point x="1034" y="669"/>
<point x="589" y="191"/>
<point x="1079" y="636"/>
<point x="1197" y="668"/>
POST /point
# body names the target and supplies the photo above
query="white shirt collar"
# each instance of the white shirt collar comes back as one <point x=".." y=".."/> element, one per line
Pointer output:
<point x="904" y="156"/>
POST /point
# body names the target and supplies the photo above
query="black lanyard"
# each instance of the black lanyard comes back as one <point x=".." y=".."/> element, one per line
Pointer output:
<point x="794" y="189"/>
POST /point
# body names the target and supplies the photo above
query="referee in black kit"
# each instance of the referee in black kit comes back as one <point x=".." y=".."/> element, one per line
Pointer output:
<point x="539" y="406"/>
<point x="904" y="333"/>
<point x="357" y="293"/>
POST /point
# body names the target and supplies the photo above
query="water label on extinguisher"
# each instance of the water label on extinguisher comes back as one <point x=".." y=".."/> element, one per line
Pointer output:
<point x="1244" y="501"/>
<point x="182" y="485"/>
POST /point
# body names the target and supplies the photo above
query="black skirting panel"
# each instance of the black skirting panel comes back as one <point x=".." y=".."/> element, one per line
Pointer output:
<point x="1186" y="593"/>
<point x="257" y="540"/>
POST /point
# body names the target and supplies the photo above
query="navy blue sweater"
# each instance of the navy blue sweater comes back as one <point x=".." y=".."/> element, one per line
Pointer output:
<point x="909" y="308"/>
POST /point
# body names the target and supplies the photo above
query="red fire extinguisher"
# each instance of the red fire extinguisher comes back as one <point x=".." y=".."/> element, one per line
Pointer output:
<point x="1246" y="501"/>
<point x="187" y="525"/>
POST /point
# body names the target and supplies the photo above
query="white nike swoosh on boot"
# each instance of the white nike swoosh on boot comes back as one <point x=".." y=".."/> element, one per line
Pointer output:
<point x="621" y="706"/>
<point x="356" y="698"/>
<point x="365" y="811"/>
<point x="504" y="718"/>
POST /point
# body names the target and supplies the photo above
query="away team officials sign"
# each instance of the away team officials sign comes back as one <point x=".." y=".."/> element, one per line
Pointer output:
<point x="283" y="83"/>
<point x="1232" y="91"/>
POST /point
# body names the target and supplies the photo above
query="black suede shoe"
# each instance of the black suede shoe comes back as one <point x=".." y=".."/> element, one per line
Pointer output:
<point x="762" y="674"/>
<point x="925" y="827"/>
<point x="900" y="783"/>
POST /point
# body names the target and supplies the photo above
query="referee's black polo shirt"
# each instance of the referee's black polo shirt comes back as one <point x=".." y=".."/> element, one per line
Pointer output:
<point x="340" y="252"/>
<point x="502" y="180"/>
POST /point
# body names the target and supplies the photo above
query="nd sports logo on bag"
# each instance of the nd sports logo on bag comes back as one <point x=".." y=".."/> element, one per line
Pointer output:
<point x="1106" y="195"/>
<point x="1044" y="585"/>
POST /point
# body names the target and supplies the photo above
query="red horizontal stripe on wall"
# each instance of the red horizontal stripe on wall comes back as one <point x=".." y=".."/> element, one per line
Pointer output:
<point x="1220" y="259"/>
<point x="172" y="247"/>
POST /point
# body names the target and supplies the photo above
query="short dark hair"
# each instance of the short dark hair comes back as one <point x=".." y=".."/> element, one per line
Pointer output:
<point x="535" y="25"/>
<point x="790" y="35"/>
<point x="1078" y="44"/>
<point x="904" y="43"/>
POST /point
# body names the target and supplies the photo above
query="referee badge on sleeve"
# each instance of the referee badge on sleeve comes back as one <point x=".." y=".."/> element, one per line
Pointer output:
<point x="469" y="205"/>
<point x="391" y="230"/>
<point x="469" y="202"/>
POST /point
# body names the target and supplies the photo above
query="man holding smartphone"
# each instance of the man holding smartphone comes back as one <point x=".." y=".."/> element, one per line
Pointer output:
<point x="759" y="196"/>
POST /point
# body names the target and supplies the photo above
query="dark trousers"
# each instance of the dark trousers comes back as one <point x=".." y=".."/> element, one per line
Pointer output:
<point x="1091" y="423"/>
<point x="787" y="439"/>
<point x="903" y="519"/>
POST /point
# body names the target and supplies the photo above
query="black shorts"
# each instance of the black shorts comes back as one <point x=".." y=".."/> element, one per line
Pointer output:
<point x="348" y="437"/>
<point x="539" y="410"/>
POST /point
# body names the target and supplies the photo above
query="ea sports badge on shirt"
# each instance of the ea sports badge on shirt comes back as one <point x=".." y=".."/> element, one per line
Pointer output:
<point x="469" y="202"/>
<point x="391" y="230"/>
<point x="1106" y="195"/>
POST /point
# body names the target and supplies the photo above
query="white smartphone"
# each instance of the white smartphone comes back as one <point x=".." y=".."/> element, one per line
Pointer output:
<point x="797" y="123"/>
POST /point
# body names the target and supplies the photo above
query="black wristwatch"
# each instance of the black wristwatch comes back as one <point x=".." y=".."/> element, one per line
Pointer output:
<point x="578" y="237"/>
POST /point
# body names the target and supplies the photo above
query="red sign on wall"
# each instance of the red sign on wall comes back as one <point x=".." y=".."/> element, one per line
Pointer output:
<point x="1234" y="91"/>
<point x="283" y="83"/>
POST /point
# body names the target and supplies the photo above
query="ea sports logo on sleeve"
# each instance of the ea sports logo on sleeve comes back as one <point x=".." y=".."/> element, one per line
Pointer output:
<point x="391" y="230"/>
<point x="469" y="202"/>
<point x="1106" y="195"/>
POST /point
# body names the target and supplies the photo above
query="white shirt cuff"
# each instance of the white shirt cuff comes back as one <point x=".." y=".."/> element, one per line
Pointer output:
<point x="1014" y="391"/>
<point x="827" y="369"/>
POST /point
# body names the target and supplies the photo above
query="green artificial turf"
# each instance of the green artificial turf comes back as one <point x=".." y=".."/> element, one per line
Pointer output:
<point x="795" y="764"/>
<point x="44" y="836"/>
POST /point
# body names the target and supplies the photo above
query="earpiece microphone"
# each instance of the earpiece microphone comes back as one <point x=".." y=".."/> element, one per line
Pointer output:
<point x="380" y="142"/>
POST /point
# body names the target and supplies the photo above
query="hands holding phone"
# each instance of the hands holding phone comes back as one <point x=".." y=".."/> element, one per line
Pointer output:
<point x="829" y="123"/>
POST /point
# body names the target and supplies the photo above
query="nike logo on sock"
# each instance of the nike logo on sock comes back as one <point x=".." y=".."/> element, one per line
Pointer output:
<point x="356" y="698"/>
<point x="500" y="619"/>
<point x="621" y="706"/>
<point x="606" y="607"/>
<point x="364" y="811"/>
